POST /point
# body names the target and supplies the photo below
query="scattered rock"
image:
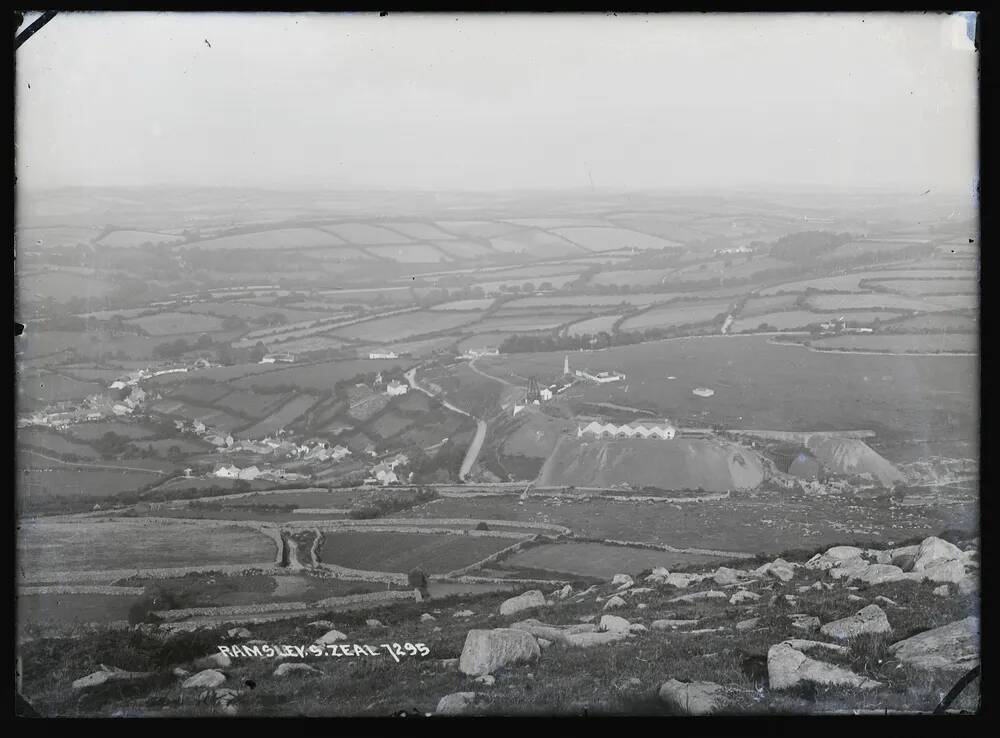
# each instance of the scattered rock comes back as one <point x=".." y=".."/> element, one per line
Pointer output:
<point x="530" y="599"/>
<point x="801" y="644"/>
<point x="815" y="587"/>
<point x="877" y="574"/>
<point x="212" y="661"/>
<point x="887" y="600"/>
<point x="614" y="603"/>
<point x="373" y="623"/>
<point x="788" y="666"/>
<point x="321" y="623"/>
<point x="486" y="651"/>
<point x="613" y="624"/>
<point x="935" y="551"/>
<point x="672" y="624"/>
<point x="586" y="618"/>
<point x="555" y="633"/>
<point x="544" y="643"/>
<point x="207" y="679"/>
<point x="179" y="672"/>
<point x="942" y="591"/>
<point x="332" y="636"/>
<point x="463" y="614"/>
<point x="659" y="575"/>
<point x="779" y="568"/>
<point x="843" y="569"/>
<point x="792" y="600"/>
<point x="692" y="698"/>
<point x="748" y="624"/>
<point x="637" y="628"/>
<point x="111" y="674"/>
<point x="427" y="618"/>
<point x="622" y="581"/>
<point x="682" y="581"/>
<point x="744" y="595"/>
<point x="292" y="668"/>
<point x="869" y="619"/>
<point x="724" y="576"/>
<point x="238" y="633"/>
<point x="804" y="622"/>
<point x="941" y="571"/>
<point x="488" y="679"/>
<point x="855" y="598"/>
<point x="951" y="647"/>
<point x="586" y="640"/>
<point x="641" y="606"/>
<point x="968" y="585"/>
<point x="563" y="593"/>
<point x="456" y="703"/>
<point x="707" y="594"/>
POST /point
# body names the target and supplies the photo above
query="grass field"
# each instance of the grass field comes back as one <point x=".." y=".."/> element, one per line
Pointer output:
<point x="62" y="286"/>
<point x="56" y="236"/>
<point x="584" y="301"/>
<point x="762" y="385"/>
<point x="250" y="311"/>
<point x="477" y="228"/>
<point x="398" y="327"/>
<point x="128" y="239"/>
<point x="884" y="301"/>
<point x="53" y="443"/>
<point x="597" y="559"/>
<point x="745" y="522"/>
<point x="50" y="387"/>
<point x="903" y="343"/>
<point x="45" y="480"/>
<point x="463" y="249"/>
<point x="280" y="418"/>
<point x="475" y="304"/>
<point x="526" y="323"/>
<point x="199" y="391"/>
<point x="612" y="239"/>
<point x="417" y="253"/>
<point x="632" y="277"/>
<point x="675" y="315"/>
<point x="928" y="286"/>
<point x="365" y="234"/>
<point x="283" y="238"/>
<point x="593" y="326"/>
<point x="93" y="431"/>
<point x="941" y="323"/>
<point x="135" y="543"/>
<point x="790" y="319"/>
<point x="247" y="404"/>
<point x="401" y="552"/>
<point x="317" y="377"/>
<point x="419" y="230"/>
<point x="539" y="244"/>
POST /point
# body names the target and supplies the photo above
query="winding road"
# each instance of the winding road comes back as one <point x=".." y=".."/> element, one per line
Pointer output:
<point x="477" y="440"/>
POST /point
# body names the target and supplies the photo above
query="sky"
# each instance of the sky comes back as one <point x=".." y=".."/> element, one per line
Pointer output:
<point x="498" y="102"/>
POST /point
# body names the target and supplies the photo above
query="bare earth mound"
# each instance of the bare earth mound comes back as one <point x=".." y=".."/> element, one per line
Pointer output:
<point x="682" y="463"/>
<point x="853" y="456"/>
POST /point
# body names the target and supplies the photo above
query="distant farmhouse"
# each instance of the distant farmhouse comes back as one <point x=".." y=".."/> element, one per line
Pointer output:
<point x="599" y="377"/>
<point x="395" y="387"/>
<point x="643" y="429"/>
<point x="383" y="355"/>
<point x="283" y="357"/>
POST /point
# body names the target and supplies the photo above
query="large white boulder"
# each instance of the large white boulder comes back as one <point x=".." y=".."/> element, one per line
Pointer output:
<point x="613" y="624"/>
<point x="622" y="581"/>
<point x="788" y="666"/>
<point x="725" y="576"/>
<point x="870" y="619"/>
<point x="486" y="651"/>
<point x="207" y="679"/>
<point x="708" y="594"/>
<point x="455" y="703"/>
<point x="743" y="595"/>
<point x="878" y="574"/>
<point x="527" y="601"/>
<point x="779" y="569"/>
<point x="212" y="661"/>
<point x="849" y="567"/>
<point x="614" y="603"/>
<point x="290" y="668"/>
<point x="332" y="636"/>
<point x="952" y="571"/>
<point x="692" y="698"/>
<point x="933" y="551"/>
<point x="671" y="624"/>
<point x="588" y="640"/>
<point x="952" y="647"/>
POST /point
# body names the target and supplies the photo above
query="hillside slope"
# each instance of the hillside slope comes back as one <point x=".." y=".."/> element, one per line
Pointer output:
<point x="682" y="463"/>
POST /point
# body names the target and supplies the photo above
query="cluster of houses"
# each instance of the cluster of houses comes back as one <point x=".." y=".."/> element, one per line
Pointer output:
<point x="94" y="407"/>
<point x="640" y="429"/>
<point x="840" y="326"/>
<point x="384" y="472"/>
<point x="314" y="450"/>
<point x="475" y="353"/>
<point x="251" y="473"/>
<point x="393" y="388"/>
<point x="282" y="356"/>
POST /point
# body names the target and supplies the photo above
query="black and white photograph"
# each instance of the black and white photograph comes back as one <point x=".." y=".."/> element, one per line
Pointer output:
<point x="380" y="364"/>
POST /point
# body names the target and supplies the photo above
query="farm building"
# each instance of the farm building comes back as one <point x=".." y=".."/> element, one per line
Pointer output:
<point x="637" y="429"/>
<point x="384" y="474"/>
<point x="395" y="387"/>
<point x="283" y="357"/>
<point x="383" y="355"/>
<point x="227" y="472"/>
<point x="600" y="377"/>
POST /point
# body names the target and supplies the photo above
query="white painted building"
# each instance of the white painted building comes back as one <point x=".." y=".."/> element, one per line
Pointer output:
<point x="396" y="387"/>
<point x="639" y="429"/>
<point x="383" y="355"/>
<point x="600" y="377"/>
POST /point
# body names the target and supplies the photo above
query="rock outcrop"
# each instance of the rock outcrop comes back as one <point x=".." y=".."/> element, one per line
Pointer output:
<point x="486" y="651"/>
<point x="787" y="667"/>
<point x="526" y="601"/>
<point x="692" y="698"/>
<point x="867" y="620"/>
<point x="954" y="646"/>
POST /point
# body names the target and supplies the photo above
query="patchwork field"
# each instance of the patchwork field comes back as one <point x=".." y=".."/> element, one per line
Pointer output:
<point x="928" y="286"/>
<point x="165" y="324"/>
<point x="129" y="239"/>
<point x="401" y="552"/>
<point x="53" y="443"/>
<point x="790" y="319"/>
<point x="593" y="326"/>
<point x="62" y="286"/>
<point x="527" y="323"/>
<point x="675" y="315"/>
<point x="474" y="304"/>
<point x="416" y="253"/>
<point x="539" y="244"/>
<point x="632" y="277"/>
<point x="40" y="481"/>
<point x="891" y="302"/>
<point x="365" y="234"/>
<point x="397" y="327"/>
<point x="597" y="560"/>
<point x="316" y="377"/>
<point x="283" y="238"/>
<point x="125" y="543"/>
<point x="93" y="431"/>
<point x="612" y="239"/>
<point x="281" y="418"/>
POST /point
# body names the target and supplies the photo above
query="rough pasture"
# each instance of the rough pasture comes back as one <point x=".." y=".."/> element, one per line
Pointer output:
<point x="401" y="552"/>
